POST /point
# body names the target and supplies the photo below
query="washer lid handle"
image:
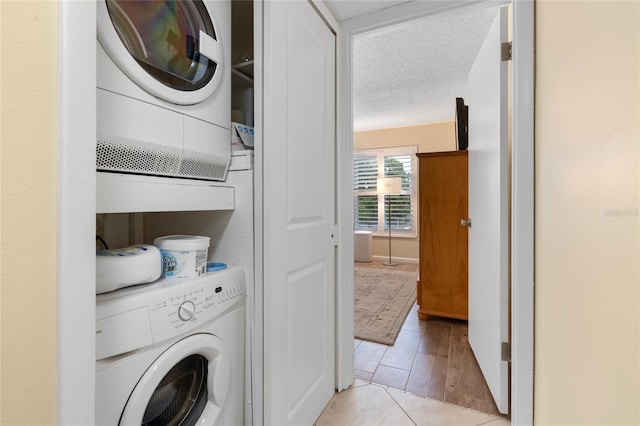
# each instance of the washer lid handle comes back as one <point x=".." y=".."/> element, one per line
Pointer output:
<point x="210" y="47"/>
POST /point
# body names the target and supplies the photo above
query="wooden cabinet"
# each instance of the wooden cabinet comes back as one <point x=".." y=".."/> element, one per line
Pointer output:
<point x="442" y="286"/>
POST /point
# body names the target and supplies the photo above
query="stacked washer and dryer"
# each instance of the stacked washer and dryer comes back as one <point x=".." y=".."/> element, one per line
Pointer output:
<point x="170" y="352"/>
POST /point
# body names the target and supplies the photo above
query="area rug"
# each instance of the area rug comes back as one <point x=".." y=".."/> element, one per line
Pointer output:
<point x="382" y="300"/>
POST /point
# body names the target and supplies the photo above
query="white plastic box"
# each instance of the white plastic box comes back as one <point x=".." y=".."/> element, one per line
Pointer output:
<point x="362" y="246"/>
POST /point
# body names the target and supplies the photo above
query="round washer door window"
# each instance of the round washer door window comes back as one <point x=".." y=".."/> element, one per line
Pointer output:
<point x="181" y="395"/>
<point x="170" y="48"/>
<point x="186" y="385"/>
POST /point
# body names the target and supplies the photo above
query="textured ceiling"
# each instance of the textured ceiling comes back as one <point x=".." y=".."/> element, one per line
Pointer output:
<point x="411" y="73"/>
<point x="346" y="9"/>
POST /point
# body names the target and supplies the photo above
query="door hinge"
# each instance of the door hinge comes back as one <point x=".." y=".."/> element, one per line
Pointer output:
<point x="334" y="235"/>
<point x="506" y="51"/>
<point x="506" y="352"/>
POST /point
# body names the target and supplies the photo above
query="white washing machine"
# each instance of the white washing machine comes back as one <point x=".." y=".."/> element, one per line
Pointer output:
<point x="172" y="352"/>
<point x="164" y="87"/>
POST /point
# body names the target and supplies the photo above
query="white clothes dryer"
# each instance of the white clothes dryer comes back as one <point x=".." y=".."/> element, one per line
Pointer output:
<point x="164" y="87"/>
<point x="172" y="352"/>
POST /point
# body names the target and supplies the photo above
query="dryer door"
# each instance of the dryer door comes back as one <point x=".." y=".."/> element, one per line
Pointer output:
<point x="169" y="48"/>
<point x="186" y="385"/>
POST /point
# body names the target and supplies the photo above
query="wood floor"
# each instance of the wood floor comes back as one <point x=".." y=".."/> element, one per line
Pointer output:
<point x="429" y="358"/>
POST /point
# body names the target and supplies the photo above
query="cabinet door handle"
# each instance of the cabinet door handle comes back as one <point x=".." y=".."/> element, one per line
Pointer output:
<point x="465" y="223"/>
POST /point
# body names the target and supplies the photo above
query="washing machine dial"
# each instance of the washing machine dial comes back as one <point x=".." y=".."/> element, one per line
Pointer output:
<point x="187" y="310"/>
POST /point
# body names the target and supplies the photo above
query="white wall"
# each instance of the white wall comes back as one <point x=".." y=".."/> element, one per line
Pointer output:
<point x="587" y="325"/>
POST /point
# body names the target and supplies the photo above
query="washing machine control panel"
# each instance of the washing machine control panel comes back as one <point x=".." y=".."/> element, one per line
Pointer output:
<point x="196" y="303"/>
<point x="165" y="309"/>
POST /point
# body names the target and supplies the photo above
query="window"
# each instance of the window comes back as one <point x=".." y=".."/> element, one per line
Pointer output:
<point x="370" y="208"/>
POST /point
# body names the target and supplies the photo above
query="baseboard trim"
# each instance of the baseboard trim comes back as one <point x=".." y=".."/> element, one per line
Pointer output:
<point x="397" y="259"/>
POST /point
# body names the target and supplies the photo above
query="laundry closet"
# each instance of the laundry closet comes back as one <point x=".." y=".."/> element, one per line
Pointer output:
<point x="272" y="216"/>
<point x="174" y="158"/>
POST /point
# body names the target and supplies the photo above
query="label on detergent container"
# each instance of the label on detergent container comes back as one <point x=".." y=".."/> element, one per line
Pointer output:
<point x="183" y="256"/>
<point x="169" y="264"/>
<point x="184" y="264"/>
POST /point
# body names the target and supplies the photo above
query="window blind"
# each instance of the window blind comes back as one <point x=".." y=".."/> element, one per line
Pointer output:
<point x="370" y="208"/>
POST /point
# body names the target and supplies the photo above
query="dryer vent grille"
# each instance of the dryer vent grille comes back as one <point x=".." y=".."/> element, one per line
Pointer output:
<point x="123" y="155"/>
<point x="194" y="165"/>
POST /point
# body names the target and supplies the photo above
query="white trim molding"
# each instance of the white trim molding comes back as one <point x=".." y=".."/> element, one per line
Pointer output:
<point x="76" y="212"/>
<point x="522" y="214"/>
<point x="397" y="259"/>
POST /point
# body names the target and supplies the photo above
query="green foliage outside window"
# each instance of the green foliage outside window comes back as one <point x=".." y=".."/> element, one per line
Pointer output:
<point x="367" y="201"/>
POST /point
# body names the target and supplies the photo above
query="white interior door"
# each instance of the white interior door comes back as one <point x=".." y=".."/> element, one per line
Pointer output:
<point x="299" y="213"/>
<point x="488" y="210"/>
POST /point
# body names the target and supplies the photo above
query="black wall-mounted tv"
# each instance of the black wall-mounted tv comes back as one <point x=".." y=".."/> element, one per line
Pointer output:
<point x="462" y="124"/>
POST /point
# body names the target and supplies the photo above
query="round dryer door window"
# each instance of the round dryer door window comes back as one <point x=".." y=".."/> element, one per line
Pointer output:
<point x="186" y="385"/>
<point x="168" y="47"/>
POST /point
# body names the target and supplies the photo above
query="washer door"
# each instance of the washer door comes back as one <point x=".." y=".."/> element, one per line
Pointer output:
<point x="167" y="47"/>
<point x="186" y="385"/>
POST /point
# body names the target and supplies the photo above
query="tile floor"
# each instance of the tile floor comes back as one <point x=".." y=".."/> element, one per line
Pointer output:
<point x="430" y="359"/>
<point x="371" y="404"/>
<point x="385" y="394"/>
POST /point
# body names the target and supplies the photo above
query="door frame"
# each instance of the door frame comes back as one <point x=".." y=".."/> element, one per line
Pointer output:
<point x="522" y="200"/>
<point x="76" y="187"/>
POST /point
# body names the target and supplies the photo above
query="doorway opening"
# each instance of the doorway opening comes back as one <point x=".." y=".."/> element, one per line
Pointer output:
<point x="429" y="358"/>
